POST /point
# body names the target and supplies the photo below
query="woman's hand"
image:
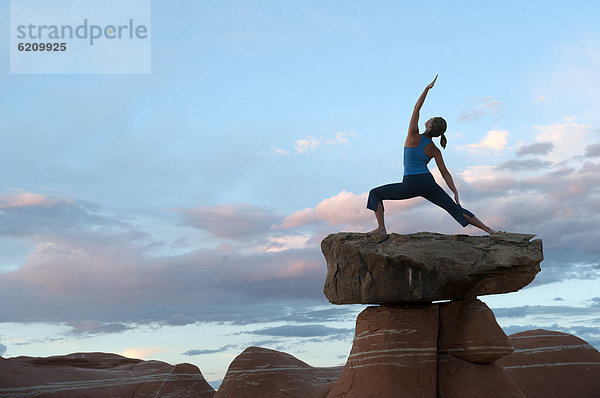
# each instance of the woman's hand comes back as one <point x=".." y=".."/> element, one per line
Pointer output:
<point x="456" y="198"/>
<point x="430" y="86"/>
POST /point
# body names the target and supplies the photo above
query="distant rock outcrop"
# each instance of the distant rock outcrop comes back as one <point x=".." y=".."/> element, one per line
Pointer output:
<point x="365" y="269"/>
<point x="549" y="364"/>
<point x="99" y="375"/>
<point x="260" y="372"/>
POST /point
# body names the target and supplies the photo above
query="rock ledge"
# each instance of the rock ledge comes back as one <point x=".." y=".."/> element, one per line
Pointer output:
<point x="425" y="266"/>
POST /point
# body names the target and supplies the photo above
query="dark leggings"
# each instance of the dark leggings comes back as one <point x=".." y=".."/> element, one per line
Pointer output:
<point x="418" y="185"/>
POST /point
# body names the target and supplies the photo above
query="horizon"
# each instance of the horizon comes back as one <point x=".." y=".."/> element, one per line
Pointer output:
<point x="176" y="215"/>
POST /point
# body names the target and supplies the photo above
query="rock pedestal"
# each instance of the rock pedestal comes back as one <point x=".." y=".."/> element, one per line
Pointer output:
<point x="427" y="350"/>
<point x="410" y="346"/>
<point x="394" y="354"/>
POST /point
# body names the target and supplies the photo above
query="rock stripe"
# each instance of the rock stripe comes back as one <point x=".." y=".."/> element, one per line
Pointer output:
<point x="554" y="348"/>
<point x="427" y="350"/>
<point x="269" y="370"/>
<point x="17" y="392"/>
<point x="549" y="365"/>
<point x="367" y="334"/>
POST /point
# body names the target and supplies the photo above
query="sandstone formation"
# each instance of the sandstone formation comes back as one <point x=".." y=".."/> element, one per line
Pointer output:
<point x="394" y="354"/>
<point x="99" y="375"/>
<point x="469" y="331"/>
<point x="260" y="372"/>
<point x="427" y="350"/>
<point x="365" y="269"/>
<point x="463" y="379"/>
<point x="553" y="365"/>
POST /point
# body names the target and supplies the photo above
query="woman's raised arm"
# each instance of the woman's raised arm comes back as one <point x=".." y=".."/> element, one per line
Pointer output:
<point x="413" y="127"/>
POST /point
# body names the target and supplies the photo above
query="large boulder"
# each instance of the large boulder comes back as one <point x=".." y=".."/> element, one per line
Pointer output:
<point x="394" y="354"/>
<point x="549" y="364"/>
<point x="99" y="375"/>
<point x="468" y="330"/>
<point x="376" y="269"/>
<point x="261" y="372"/>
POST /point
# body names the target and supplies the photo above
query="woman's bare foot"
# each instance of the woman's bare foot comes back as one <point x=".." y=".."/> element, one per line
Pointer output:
<point x="479" y="224"/>
<point x="378" y="231"/>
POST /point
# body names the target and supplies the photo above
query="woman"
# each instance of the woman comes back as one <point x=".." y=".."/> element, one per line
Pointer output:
<point x="418" y="181"/>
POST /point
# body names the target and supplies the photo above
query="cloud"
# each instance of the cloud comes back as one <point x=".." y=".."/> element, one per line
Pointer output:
<point x="19" y="198"/>
<point x="179" y="319"/>
<point x="51" y="222"/>
<point x="281" y="152"/>
<point x="592" y="150"/>
<point x="310" y="143"/>
<point x="341" y="137"/>
<point x="302" y="331"/>
<point x="495" y="140"/>
<point x="482" y="107"/>
<point x="142" y="352"/>
<point x="336" y="314"/>
<point x="93" y="327"/>
<point x="568" y="137"/>
<point x="522" y="311"/>
<point x="206" y="352"/>
<point x="230" y="221"/>
<point x="63" y="282"/>
<point x="306" y="144"/>
<point x="524" y="165"/>
<point x="98" y="273"/>
<point x="286" y="242"/>
<point x="538" y="148"/>
<point x="342" y="208"/>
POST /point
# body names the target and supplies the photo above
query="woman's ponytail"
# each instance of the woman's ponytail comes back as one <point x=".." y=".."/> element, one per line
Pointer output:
<point x="438" y="128"/>
<point x="443" y="141"/>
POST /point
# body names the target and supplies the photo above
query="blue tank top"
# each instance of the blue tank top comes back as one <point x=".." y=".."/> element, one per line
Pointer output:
<point x="415" y="160"/>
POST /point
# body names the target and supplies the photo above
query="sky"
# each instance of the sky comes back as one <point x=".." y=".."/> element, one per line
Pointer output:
<point x="177" y="215"/>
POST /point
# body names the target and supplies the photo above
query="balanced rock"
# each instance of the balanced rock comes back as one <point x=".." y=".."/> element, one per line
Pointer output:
<point x="375" y="269"/>
<point x="99" y="375"/>
<point x="394" y="354"/>
<point x="261" y="372"/>
<point x="549" y="364"/>
<point x="469" y="331"/>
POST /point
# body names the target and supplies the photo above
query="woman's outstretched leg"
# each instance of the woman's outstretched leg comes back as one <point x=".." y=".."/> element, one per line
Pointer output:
<point x="377" y="195"/>
<point x="479" y="224"/>
<point x="380" y="221"/>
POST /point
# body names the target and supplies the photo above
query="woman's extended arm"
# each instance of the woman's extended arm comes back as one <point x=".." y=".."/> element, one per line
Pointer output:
<point x="439" y="161"/>
<point x="413" y="127"/>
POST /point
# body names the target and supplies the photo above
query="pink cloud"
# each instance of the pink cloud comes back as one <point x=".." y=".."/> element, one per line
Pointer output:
<point x="495" y="140"/>
<point x="298" y="269"/>
<point x="568" y="137"/>
<point x="230" y="221"/>
<point x="346" y="209"/>
<point x="20" y="198"/>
